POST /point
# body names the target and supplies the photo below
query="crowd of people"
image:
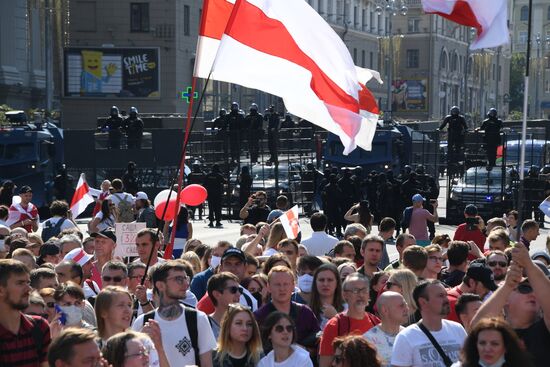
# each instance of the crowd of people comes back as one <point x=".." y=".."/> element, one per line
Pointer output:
<point x="264" y="299"/>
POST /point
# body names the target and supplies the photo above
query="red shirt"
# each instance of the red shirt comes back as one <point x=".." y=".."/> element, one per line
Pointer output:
<point x="20" y="350"/>
<point x="463" y="234"/>
<point x="356" y="327"/>
<point x="18" y="213"/>
<point x="452" y="296"/>
<point x="205" y="305"/>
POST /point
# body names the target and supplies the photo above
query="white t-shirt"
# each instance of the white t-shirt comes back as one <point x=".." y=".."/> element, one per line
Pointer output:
<point x="319" y="243"/>
<point x="413" y="348"/>
<point x="383" y="343"/>
<point x="109" y="222"/>
<point x="270" y="251"/>
<point x="67" y="224"/>
<point x="176" y="340"/>
<point x="299" y="358"/>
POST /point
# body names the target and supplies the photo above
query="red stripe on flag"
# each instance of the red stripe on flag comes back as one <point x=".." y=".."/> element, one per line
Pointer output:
<point x="250" y="26"/>
<point x="80" y="192"/>
<point x="367" y="100"/>
<point x="215" y="14"/>
<point x="464" y="15"/>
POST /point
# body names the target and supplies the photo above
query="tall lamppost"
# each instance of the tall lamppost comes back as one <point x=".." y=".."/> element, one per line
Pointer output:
<point x="391" y="7"/>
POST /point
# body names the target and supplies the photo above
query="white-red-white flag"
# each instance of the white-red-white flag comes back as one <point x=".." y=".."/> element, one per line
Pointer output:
<point x="290" y="223"/>
<point x="82" y="197"/>
<point x="488" y="17"/>
<point x="285" y="48"/>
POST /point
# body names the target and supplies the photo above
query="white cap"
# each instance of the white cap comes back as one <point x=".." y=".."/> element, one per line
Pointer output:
<point x="79" y="256"/>
<point x="141" y="196"/>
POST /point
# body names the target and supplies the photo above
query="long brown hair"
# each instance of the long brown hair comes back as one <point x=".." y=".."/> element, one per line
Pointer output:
<point x="357" y="351"/>
<point x="514" y="353"/>
<point x="337" y="299"/>
<point x="103" y="303"/>
<point x="253" y="346"/>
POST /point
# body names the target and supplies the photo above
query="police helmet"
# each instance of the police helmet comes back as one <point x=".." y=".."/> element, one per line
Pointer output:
<point x="223" y="112"/>
<point x="234" y="106"/>
<point x="420" y="169"/>
<point x="534" y="171"/>
<point x="455" y="110"/>
<point x="114" y="110"/>
<point x="545" y="170"/>
<point x="407" y="169"/>
<point x="254" y="107"/>
<point x="492" y="112"/>
<point x="133" y="110"/>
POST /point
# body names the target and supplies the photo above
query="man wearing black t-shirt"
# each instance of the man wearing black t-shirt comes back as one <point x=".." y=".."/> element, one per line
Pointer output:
<point x="522" y="302"/>
<point x="255" y="210"/>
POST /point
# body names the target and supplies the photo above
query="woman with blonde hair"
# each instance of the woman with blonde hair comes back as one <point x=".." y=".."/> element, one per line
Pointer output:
<point x="404" y="281"/>
<point x="193" y="259"/>
<point x="276" y="235"/>
<point x="239" y="343"/>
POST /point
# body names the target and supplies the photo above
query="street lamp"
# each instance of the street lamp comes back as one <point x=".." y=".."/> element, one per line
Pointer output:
<point x="392" y="7"/>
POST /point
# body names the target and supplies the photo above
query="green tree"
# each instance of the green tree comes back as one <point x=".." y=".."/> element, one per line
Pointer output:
<point x="517" y="74"/>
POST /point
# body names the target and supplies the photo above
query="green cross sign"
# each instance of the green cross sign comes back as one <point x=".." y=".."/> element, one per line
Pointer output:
<point x="187" y="95"/>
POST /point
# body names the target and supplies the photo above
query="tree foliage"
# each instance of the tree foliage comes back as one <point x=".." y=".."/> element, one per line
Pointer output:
<point x="517" y="73"/>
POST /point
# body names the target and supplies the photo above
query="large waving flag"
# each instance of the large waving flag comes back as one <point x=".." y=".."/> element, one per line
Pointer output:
<point x="82" y="197"/>
<point x="488" y="17"/>
<point x="285" y="48"/>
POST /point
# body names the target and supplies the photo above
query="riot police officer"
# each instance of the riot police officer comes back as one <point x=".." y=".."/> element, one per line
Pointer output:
<point x="114" y="125"/>
<point x="196" y="177"/>
<point x="134" y="129"/>
<point x="456" y="132"/>
<point x="311" y="179"/>
<point x="220" y="122"/>
<point x="254" y="122"/>
<point x="235" y="124"/>
<point x="272" y="118"/>
<point x="534" y="194"/>
<point x="491" y="126"/>
<point x="213" y="183"/>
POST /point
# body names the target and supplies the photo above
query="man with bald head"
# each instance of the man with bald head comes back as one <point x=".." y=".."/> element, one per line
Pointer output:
<point x="393" y="311"/>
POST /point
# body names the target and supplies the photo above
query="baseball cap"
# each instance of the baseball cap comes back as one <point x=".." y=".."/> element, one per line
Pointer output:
<point x="470" y="209"/>
<point x="106" y="233"/>
<point x="25" y="189"/>
<point x="79" y="256"/>
<point x="542" y="254"/>
<point x="418" y="197"/>
<point x="233" y="251"/>
<point x="140" y="195"/>
<point x="483" y="274"/>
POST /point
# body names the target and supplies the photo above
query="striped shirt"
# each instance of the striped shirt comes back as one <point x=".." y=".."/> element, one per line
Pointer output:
<point x="21" y="350"/>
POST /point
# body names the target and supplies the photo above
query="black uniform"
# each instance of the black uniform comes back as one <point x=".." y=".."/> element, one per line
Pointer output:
<point x="114" y="125"/>
<point x="245" y="187"/>
<point x="491" y="126"/>
<point x="196" y="177"/>
<point x="272" y="119"/>
<point x="213" y="183"/>
<point x="533" y="189"/>
<point x="134" y="132"/>
<point x="235" y="124"/>
<point x="332" y="197"/>
<point x="254" y="123"/>
<point x="63" y="184"/>
<point x="456" y="132"/>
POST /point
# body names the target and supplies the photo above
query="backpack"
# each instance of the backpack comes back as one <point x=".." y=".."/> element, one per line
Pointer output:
<point x="192" y="329"/>
<point x="125" y="210"/>
<point x="406" y="220"/>
<point x="50" y="230"/>
<point x="344" y="322"/>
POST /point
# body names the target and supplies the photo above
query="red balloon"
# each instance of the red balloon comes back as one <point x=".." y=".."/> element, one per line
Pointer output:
<point x="170" y="211"/>
<point x="193" y="195"/>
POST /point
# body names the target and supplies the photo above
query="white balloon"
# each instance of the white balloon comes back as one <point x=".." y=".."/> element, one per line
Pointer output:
<point x="163" y="197"/>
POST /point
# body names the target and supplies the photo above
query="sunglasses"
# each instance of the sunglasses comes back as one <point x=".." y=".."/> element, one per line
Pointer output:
<point x="234" y="289"/>
<point x="112" y="279"/>
<point x="281" y="328"/>
<point x="357" y="291"/>
<point x="525" y="288"/>
<point x="502" y="264"/>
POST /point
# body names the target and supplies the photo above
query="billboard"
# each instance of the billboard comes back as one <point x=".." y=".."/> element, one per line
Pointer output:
<point x="410" y="95"/>
<point x="112" y="72"/>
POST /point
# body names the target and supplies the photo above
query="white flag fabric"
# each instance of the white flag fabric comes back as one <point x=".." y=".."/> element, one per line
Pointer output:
<point x="285" y="48"/>
<point x="82" y="197"/>
<point x="488" y="17"/>
<point x="290" y="223"/>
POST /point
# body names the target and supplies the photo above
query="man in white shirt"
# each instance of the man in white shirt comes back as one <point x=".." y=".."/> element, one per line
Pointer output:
<point x="320" y="242"/>
<point x="412" y="346"/>
<point x="171" y="282"/>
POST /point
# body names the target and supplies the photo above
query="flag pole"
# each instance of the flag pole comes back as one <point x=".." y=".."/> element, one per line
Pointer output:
<point x="524" y="123"/>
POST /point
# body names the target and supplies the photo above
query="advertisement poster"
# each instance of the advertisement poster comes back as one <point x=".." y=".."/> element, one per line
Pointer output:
<point x="410" y="95"/>
<point x="112" y="72"/>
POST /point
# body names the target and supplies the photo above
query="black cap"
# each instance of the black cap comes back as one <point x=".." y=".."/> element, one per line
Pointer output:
<point x="233" y="251"/>
<point x="106" y="233"/>
<point x="470" y="209"/>
<point x="49" y="248"/>
<point x="483" y="274"/>
<point x="25" y="189"/>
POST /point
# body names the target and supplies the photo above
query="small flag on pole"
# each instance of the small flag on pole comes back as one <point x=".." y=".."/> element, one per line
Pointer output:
<point x="290" y="223"/>
<point x="82" y="197"/>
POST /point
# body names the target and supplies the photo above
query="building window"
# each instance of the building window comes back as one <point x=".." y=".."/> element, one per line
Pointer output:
<point x="413" y="58"/>
<point x="523" y="37"/>
<point x="321" y="7"/>
<point x="355" y="56"/>
<point x="371" y="60"/>
<point x="548" y="13"/>
<point x="524" y="13"/>
<point x="186" y="20"/>
<point x="364" y="25"/>
<point x="443" y="60"/>
<point x="139" y="17"/>
<point x="414" y="25"/>
<point x="355" y="16"/>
